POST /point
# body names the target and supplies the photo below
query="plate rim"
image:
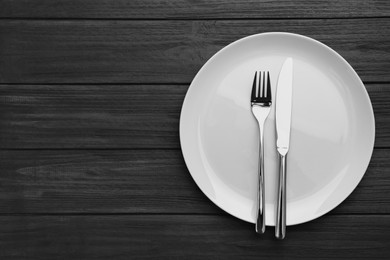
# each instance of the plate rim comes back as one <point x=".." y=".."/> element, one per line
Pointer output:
<point x="246" y="38"/>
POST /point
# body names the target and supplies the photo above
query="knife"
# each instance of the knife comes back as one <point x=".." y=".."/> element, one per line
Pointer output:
<point x="283" y="124"/>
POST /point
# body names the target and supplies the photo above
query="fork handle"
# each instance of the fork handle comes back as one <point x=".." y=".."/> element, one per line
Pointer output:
<point x="260" y="216"/>
<point x="280" y="225"/>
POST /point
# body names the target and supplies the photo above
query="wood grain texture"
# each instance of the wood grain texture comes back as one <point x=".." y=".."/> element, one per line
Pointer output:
<point x="189" y="237"/>
<point x="114" y="116"/>
<point x="84" y="51"/>
<point x="185" y="9"/>
<point x="90" y="116"/>
<point x="131" y="181"/>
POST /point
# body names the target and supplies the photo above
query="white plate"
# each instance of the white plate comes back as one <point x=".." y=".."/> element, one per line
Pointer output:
<point x="332" y="132"/>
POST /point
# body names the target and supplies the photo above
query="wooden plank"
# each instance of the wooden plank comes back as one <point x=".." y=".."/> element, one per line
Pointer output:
<point x="379" y="95"/>
<point x="112" y="51"/>
<point x="137" y="181"/>
<point x="189" y="237"/>
<point x="90" y="116"/>
<point x="182" y="9"/>
<point x="98" y="181"/>
<point x="114" y="116"/>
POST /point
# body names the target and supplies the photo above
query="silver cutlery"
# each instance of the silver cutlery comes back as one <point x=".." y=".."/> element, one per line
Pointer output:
<point x="283" y="125"/>
<point x="261" y="101"/>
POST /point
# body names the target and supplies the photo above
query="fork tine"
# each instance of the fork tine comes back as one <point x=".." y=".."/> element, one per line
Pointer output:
<point x="261" y="85"/>
<point x="254" y="87"/>
<point x="263" y="89"/>
<point x="269" y="95"/>
<point x="258" y="84"/>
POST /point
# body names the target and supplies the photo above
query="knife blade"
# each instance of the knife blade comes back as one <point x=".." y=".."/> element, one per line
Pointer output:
<point x="283" y="126"/>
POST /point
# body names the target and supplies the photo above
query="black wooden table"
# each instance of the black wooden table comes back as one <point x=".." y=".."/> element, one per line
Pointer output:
<point x="89" y="170"/>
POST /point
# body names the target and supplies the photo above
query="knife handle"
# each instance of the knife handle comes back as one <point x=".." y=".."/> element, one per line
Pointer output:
<point x="280" y="224"/>
<point x="260" y="214"/>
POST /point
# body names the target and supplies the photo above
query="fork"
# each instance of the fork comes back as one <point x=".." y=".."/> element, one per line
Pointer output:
<point x="261" y="101"/>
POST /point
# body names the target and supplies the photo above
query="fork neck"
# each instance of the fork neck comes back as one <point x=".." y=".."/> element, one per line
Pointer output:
<point x="261" y="113"/>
